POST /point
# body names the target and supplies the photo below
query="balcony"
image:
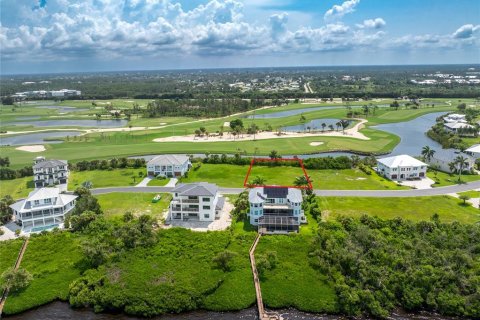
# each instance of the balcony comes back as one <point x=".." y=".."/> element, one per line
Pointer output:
<point x="185" y="209"/>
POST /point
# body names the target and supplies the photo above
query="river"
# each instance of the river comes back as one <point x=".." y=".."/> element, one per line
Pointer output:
<point x="62" y="311"/>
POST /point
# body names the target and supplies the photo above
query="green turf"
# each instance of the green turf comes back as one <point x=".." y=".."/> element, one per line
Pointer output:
<point x="9" y="250"/>
<point x="54" y="261"/>
<point x="226" y="175"/>
<point x="114" y="205"/>
<point x="106" y="178"/>
<point x="418" y="208"/>
<point x="471" y="194"/>
<point x="443" y="179"/>
<point x="158" y="182"/>
<point x="17" y="188"/>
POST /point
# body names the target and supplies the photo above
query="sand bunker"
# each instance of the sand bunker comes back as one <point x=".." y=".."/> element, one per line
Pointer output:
<point x="35" y="148"/>
<point x="226" y="124"/>
<point x="316" y="143"/>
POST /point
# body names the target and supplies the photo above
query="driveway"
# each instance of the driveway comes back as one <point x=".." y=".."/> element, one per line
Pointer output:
<point x="144" y="182"/>
<point x="325" y="193"/>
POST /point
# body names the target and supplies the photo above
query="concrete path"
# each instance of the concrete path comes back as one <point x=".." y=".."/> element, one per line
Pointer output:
<point x="325" y="193"/>
<point x="172" y="183"/>
<point x="144" y="182"/>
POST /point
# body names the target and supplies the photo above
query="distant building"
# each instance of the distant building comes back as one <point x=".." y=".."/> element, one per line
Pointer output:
<point x="169" y="165"/>
<point x="276" y="209"/>
<point x="402" y="167"/>
<point x="43" y="209"/>
<point x="49" y="172"/>
<point x="442" y="159"/>
<point x="195" y="201"/>
<point x="474" y="151"/>
<point x="456" y="126"/>
<point x="455" y="117"/>
<point x="48" y="93"/>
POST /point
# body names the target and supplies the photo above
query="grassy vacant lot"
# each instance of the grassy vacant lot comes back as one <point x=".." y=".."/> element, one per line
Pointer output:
<point x="294" y="282"/>
<point x="8" y="252"/>
<point x="420" y="208"/>
<point x="106" y="178"/>
<point x="443" y="179"/>
<point x="54" y="260"/>
<point x="17" y="188"/>
<point x="114" y="205"/>
<point x="226" y="175"/>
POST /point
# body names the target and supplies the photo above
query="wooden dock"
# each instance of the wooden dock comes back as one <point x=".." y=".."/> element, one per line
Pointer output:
<point x="15" y="267"/>
<point x="263" y="315"/>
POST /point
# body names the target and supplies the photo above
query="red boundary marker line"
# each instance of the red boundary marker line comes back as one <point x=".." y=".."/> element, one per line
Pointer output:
<point x="300" y="161"/>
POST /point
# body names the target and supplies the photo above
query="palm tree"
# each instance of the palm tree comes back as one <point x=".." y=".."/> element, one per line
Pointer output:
<point x="323" y="126"/>
<point x="301" y="181"/>
<point x="355" y="160"/>
<point x="259" y="181"/>
<point x="330" y="126"/>
<point x="344" y="124"/>
<point x="427" y="153"/>
<point x="461" y="162"/>
<point x="338" y="124"/>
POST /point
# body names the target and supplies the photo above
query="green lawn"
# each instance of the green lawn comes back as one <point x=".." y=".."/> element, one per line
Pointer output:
<point x="471" y="194"/>
<point x="54" y="260"/>
<point x="114" y="205"/>
<point x="443" y="179"/>
<point x="17" y="188"/>
<point x="106" y="178"/>
<point x="9" y="252"/>
<point x="158" y="182"/>
<point x="419" y="208"/>
<point x="294" y="283"/>
<point x="233" y="176"/>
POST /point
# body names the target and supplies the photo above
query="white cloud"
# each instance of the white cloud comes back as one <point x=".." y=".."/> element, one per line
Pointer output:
<point x="376" y="23"/>
<point x="466" y="31"/>
<point x="338" y="11"/>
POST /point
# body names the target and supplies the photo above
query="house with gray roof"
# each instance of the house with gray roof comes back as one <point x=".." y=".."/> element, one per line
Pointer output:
<point x="276" y="209"/>
<point x="195" y="201"/>
<point x="442" y="159"/>
<point x="43" y="209"/>
<point x="49" y="172"/>
<point x="169" y="165"/>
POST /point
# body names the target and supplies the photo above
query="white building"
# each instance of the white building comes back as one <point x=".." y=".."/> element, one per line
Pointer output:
<point x="442" y="159"/>
<point x="49" y="172"/>
<point x="474" y="151"/>
<point x="276" y="209"/>
<point x="402" y="167"/>
<point x="195" y="201"/>
<point x="168" y="165"/>
<point x="455" y="117"/>
<point x="454" y="126"/>
<point x="44" y="208"/>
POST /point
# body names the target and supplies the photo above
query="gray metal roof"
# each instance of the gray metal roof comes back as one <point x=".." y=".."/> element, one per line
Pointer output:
<point x="196" y="189"/>
<point x="260" y="194"/>
<point x="50" y="164"/>
<point x="169" y="159"/>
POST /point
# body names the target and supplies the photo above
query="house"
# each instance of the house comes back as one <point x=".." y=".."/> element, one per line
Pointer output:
<point x="168" y="165"/>
<point x="455" y="126"/>
<point x="49" y="172"/>
<point x="198" y="201"/>
<point x="474" y="151"/>
<point x="276" y="209"/>
<point x="442" y="159"/>
<point x="402" y="167"/>
<point x="455" y="117"/>
<point x="43" y="209"/>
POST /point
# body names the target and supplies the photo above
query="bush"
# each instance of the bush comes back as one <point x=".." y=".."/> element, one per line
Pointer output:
<point x="223" y="260"/>
<point x="15" y="280"/>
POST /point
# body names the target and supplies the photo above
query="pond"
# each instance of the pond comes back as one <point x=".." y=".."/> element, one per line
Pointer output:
<point x="288" y="113"/>
<point x="62" y="311"/>
<point x="413" y="134"/>
<point x="62" y="109"/>
<point x="73" y="123"/>
<point x="35" y="138"/>
<point x="314" y="125"/>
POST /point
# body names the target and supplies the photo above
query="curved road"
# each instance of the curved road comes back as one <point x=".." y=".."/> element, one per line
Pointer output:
<point x="326" y="193"/>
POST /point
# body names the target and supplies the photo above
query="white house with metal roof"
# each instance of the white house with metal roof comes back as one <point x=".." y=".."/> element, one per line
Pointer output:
<point x="169" y="165"/>
<point x="402" y="167"/>
<point x="49" y="172"/>
<point x="455" y="117"/>
<point x="44" y="208"/>
<point x="276" y="209"/>
<point x="442" y="159"/>
<point x="195" y="201"/>
<point x="474" y="151"/>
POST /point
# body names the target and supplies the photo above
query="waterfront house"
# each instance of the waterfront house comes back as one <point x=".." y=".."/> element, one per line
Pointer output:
<point x="169" y="165"/>
<point x="455" y="117"/>
<point x="442" y="159"/>
<point x="402" y="167"/>
<point x="44" y="208"/>
<point x="276" y="209"/>
<point x="195" y="201"/>
<point x="457" y="127"/>
<point x="49" y="172"/>
<point x="474" y="151"/>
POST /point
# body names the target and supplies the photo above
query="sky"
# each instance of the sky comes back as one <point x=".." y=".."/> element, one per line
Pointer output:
<point x="47" y="36"/>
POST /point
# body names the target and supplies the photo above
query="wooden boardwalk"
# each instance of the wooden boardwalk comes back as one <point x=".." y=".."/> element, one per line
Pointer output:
<point x="263" y="315"/>
<point x="15" y="267"/>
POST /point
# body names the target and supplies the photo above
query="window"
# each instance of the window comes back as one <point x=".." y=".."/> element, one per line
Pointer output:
<point x="206" y="199"/>
<point x="36" y="202"/>
<point x="206" y="207"/>
<point x="48" y="200"/>
<point x="256" y="220"/>
<point x="206" y="216"/>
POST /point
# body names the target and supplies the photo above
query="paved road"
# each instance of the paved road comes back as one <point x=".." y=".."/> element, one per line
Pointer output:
<point x="341" y="193"/>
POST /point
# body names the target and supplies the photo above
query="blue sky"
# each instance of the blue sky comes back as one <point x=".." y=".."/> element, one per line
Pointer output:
<point x="100" y="35"/>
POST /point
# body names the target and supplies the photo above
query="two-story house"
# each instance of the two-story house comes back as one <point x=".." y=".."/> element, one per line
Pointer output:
<point x="402" y="167"/>
<point x="195" y="201"/>
<point x="43" y="209"/>
<point x="276" y="209"/>
<point x="168" y="165"/>
<point x="49" y="172"/>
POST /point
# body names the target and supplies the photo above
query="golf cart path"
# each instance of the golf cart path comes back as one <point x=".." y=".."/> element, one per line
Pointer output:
<point x="326" y="193"/>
